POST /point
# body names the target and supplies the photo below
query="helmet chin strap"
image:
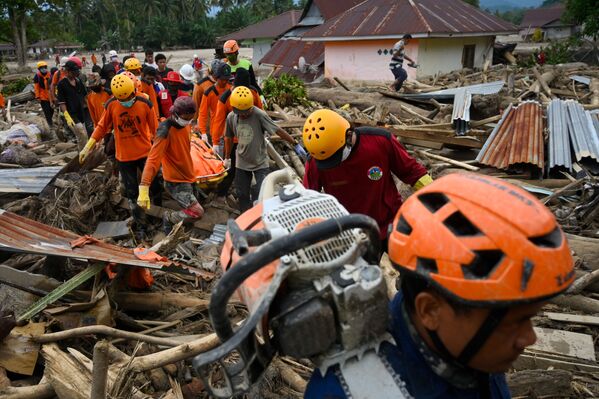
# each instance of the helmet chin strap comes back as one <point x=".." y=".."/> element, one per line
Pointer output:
<point x="472" y="347"/>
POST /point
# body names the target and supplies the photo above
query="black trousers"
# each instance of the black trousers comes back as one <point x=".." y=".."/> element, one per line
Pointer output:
<point x="48" y="111"/>
<point x="223" y="187"/>
<point x="131" y="175"/>
<point x="243" y="184"/>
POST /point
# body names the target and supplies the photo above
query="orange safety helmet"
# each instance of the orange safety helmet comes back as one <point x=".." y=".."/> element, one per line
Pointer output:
<point x="324" y="133"/>
<point x="230" y="47"/>
<point x="482" y="242"/>
<point x="135" y="80"/>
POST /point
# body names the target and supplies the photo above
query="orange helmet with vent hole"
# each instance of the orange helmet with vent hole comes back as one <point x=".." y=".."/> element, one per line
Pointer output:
<point x="324" y="133"/>
<point x="481" y="241"/>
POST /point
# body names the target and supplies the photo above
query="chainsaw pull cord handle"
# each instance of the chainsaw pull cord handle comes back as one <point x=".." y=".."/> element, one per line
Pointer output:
<point x="264" y="255"/>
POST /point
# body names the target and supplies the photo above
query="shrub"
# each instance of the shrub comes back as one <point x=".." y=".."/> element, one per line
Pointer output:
<point x="286" y="90"/>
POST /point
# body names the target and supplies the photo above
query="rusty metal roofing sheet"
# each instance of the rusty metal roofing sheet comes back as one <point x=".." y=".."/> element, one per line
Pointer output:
<point x="421" y="18"/>
<point x="19" y="234"/>
<point x="271" y="27"/>
<point x="286" y="52"/>
<point x="518" y="138"/>
<point x="26" y="181"/>
<point x="537" y="17"/>
<point x="559" y="139"/>
<point x="328" y="8"/>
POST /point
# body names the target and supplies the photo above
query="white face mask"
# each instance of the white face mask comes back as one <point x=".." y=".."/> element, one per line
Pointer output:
<point x="180" y="121"/>
<point x="346" y="152"/>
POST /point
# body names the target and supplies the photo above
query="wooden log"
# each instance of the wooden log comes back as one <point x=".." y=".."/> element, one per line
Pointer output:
<point x="21" y="97"/>
<point x="585" y="248"/>
<point x="155" y="301"/>
<point x="448" y="160"/>
<point x="297" y="163"/>
<point x="594" y="88"/>
<point x="362" y="100"/>
<point x="542" y="82"/>
<point x="540" y="383"/>
<point x="289" y="375"/>
<point x="41" y="391"/>
<point x="100" y="370"/>
<point x="577" y="302"/>
<point x="583" y="282"/>
<point x="103" y="330"/>
<point x="341" y="83"/>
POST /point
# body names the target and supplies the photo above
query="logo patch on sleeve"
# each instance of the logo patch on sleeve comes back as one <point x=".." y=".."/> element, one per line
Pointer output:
<point x="375" y="173"/>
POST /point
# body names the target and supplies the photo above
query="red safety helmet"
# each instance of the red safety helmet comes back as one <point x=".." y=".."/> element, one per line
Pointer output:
<point x="173" y="76"/>
<point x="481" y="241"/>
<point x="230" y="47"/>
<point x="77" y="61"/>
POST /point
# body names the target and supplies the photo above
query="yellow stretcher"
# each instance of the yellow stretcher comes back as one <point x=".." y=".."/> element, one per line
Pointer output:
<point x="208" y="166"/>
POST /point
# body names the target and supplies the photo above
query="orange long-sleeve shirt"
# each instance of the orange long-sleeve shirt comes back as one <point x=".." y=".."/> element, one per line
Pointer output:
<point x="56" y="78"/>
<point x="151" y="92"/>
<point x="41" y="86"/>
<point x="217" y="126"/>
<point x="2" y="102"/>
<point x="198" y="92"/>
<point x="208" y="106"/>
<point x="95" y="103"/>
<point x="134" y="128"/>
<point x="172" y="150"/>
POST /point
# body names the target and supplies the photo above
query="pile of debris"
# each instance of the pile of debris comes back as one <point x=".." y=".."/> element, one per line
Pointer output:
<point x="91" y="317"/>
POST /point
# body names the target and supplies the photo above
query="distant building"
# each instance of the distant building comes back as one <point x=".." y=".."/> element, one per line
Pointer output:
<point x="262" y="35"/>
<point x="292" y="55"/>
<point x="447" y="35"/>
<point x="549" y="21"/>
<point x="49" y="46"/>
<point x="7" y="51"/>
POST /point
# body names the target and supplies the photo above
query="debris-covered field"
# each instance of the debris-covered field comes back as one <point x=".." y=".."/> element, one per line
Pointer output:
<point x="81" y="309"/>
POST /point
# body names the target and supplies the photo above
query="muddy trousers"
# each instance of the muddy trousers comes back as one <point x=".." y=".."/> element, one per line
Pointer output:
<point x="48" y="111"/>
<point x="131" y="175"/>
<point x="243" y="184"/>
<point x="400" y="77"/>
<point x="183" y="194"/>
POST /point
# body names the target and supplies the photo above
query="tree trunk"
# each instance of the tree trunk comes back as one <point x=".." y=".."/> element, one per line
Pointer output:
<point x="18" y="26"/>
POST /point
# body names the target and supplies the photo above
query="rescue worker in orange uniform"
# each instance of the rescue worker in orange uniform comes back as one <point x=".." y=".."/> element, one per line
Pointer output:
<point x="167" y="97"/>
<point x="221" y="72"/>
<point x="204" y="84"/>
<point x="134" y="125"/>
<point x="97" y="97"/>
<point x="172" y="150"/>
<point x="41" y="85"/>
<point x="134" y="66"/>
<point x="148" y="86"/>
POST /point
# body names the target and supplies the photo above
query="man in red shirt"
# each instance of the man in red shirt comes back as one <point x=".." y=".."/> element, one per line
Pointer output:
<point x="356" y="166"/>
<point x="167" y="97"/>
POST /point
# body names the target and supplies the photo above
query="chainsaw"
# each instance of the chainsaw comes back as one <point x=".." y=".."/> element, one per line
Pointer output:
<point x="308" y="272"/>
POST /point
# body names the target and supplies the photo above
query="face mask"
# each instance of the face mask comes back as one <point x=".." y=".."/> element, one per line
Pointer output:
<point x="43" y="71"/>
<point x="127" y="104"/>
<point x="346" y="152"/>
<point x="180" y="121"/>
<point x="232" y="57"/>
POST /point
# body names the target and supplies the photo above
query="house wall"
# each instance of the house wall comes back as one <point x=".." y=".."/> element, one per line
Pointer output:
<point x="445" y="54"/>
<point x="260" y="47"/>
<point x="557" y="32"/>
<point x="360" y="60"/>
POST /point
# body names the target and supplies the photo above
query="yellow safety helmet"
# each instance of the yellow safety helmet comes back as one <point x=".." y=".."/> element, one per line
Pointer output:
<point x="122" y="87"/>
<point x="324" y="133"/>
<point x="242" y="98"/>
<point x="132" y="64"/>
<point x="42" y="64"/>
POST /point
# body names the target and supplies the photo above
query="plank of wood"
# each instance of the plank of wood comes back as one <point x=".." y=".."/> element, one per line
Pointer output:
<point x="419" y="135"/>
<point x="422" y="143"/>
<point x="564" y="342"/>
<point x="533" y="361"/>
<point x="291" y="124"/>
<point x="449" y="161"/>
<point x="573" y="318"/>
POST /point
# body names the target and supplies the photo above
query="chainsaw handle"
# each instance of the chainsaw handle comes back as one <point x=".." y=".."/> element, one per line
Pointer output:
<point x="252" y="262"/>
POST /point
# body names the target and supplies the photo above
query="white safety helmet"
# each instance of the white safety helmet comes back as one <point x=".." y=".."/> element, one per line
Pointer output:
<point x="187" y="72"/>
<point x="63" y="61"/>
<point x="112" y="53"/>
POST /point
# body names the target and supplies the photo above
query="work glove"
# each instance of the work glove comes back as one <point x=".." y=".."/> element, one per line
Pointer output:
<point x="299" y="150"/>
<point x="68" y="119"/>
<point x="143" y="199"/>
<point x="422" y="182"/>
<point x="204" y="137"/>
<point x="85" y="151"/>
<point x="218" y="150"/>
<point x="227" y="163"/>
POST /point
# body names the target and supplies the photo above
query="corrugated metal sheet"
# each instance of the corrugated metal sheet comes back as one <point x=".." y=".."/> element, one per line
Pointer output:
<point x="585" y="80"/>
<point x="19" y="234"/>
<point x="26" y="181"/>
<point x="538" y="17"/>
<point x="482" y="89"/>
<point x="271" y="27"/>
<point x="583" y="135"/>
<point x="461" y="111"/>
<point x="325" y="9"/>
<point x="518" y="138"/>
<point x="286" y="53"/>
<point x="397" y="17"/>
<point x="559" y="138"/>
